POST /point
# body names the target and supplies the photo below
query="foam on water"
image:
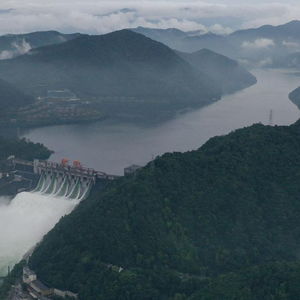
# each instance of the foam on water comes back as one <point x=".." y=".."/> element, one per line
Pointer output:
<point x="25" y="220"/>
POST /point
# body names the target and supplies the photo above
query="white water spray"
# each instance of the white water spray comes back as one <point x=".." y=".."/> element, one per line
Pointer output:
<point x="25" y="220"/>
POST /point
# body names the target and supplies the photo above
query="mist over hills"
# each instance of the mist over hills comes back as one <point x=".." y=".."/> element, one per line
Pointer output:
<point x="185" y="41"/>
<point x="289" y="31"/>
<point x="218" y="223"/>
<point x="257" y="46"/>
<point x="13" y="45"/>
<point x="288" y="61"/>
<point x="110" y="65"/>
<point x="220" y="68"/>
<point x="199" y="225"/>
<point x="123" y="73"/>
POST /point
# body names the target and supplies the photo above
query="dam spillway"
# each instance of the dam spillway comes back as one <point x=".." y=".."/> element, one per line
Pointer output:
<point x="64" y="185"/>
<point x="60" y="179"/>
<point x="45" y="192"/>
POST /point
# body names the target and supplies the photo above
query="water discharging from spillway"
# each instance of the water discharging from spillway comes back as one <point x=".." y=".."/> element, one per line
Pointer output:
<point x="57" y="185"/>
<point x="25" y="219"/>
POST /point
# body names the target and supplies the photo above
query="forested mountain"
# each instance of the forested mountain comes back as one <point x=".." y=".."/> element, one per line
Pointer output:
<point x="258" y="46"/>
<point x="11" y="98"/>
<point x="172" y="37"/>
<point x="270" y="45"/>
<point x="222" y="69"/>
<point x="22" y="149"/>
<point x="286" y="32"/>
<point x="221" y="222"/>
<point x="122" y="69"/>
<point x="295" y="97"/>
<point x="12" y="45"/>
<point x="187" y="41"/>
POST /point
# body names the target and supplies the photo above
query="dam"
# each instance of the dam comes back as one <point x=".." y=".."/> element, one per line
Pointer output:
<point x="41" y="192"/>
<point x="72" y="181"/>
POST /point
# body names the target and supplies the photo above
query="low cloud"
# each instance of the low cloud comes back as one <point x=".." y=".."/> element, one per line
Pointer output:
<point x="219" y="29"/>
<point x="258" y="44"/>
<point x="267" y="62"/>
<point x="17" y="48"/>
<point x="102" y="16"/>
<point x="289" y="44"/>
<point x="5" y="54"/>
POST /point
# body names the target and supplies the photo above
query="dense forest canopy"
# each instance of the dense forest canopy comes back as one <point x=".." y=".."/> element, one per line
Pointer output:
<point x="23" y="149"/>
<point x="103" y="71"/>
<point x="110" y="66"/>
<point x="195" y="225"/>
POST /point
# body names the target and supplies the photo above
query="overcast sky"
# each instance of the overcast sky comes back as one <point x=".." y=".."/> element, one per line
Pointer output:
<point x="102" y="16"/>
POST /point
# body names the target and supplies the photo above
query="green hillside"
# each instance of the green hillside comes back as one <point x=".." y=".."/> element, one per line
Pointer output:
<point x="12" y="45"/>
<point x="221" y="69"/>
<point x="23" y="149"/>
<point x="121" y="72"/>
<point x="186" y="224"/>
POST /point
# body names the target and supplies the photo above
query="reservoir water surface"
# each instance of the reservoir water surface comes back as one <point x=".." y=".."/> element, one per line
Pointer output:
<point x="111" y="146"/>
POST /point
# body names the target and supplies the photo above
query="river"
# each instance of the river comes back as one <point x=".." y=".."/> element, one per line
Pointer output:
<point x="111" y="146"/>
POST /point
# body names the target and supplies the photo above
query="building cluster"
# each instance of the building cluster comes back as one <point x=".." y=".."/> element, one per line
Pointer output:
<point x="38" y="290"/>
<point x="64" y="94"/>
<point x="56" y="107"/>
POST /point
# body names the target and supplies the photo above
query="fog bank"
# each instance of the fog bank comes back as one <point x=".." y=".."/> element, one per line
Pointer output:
<point x="24" y="221"/>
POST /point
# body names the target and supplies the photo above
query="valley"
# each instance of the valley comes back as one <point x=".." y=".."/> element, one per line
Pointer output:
<point x="121" y="144"/>
<point x="201" y="133"/>
<point x="101" y="74"/>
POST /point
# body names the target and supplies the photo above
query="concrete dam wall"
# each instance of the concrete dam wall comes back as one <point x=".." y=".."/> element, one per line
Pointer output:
<point x="64" y="185"/>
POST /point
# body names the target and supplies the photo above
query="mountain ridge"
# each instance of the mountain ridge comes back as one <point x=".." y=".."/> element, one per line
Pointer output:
<point x="182" y="220"/>
<point x="109" y="66"/>
<point x="220" y="68"/>
<point x="12" y="45"/>
<point x="255" y="46"/>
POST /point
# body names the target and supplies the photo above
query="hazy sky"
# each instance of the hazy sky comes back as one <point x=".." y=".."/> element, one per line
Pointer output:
<point x="101" y="16"/>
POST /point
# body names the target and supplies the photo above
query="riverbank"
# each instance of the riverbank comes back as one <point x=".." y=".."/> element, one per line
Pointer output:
<point x="110" y="146"/>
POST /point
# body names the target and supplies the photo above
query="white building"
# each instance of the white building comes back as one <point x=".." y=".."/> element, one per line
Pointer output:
<point x="28" y="275"/>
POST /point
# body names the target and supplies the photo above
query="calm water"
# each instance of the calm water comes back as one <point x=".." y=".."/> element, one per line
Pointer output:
<point x="110" y="147"/>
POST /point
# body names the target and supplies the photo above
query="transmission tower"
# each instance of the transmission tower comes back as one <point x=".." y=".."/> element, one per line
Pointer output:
<point x="271" y="118"/>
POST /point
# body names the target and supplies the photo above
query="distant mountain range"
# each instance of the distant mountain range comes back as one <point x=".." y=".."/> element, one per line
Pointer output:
<point x="222" y="69"/>
<point x="185" y="41"/>
<point x="286" y="32"/>
<point x="126" y="73"/>
<point x="253" y="46"/>
<point x="12" y="45"/>
<point x="105" y="69"/>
